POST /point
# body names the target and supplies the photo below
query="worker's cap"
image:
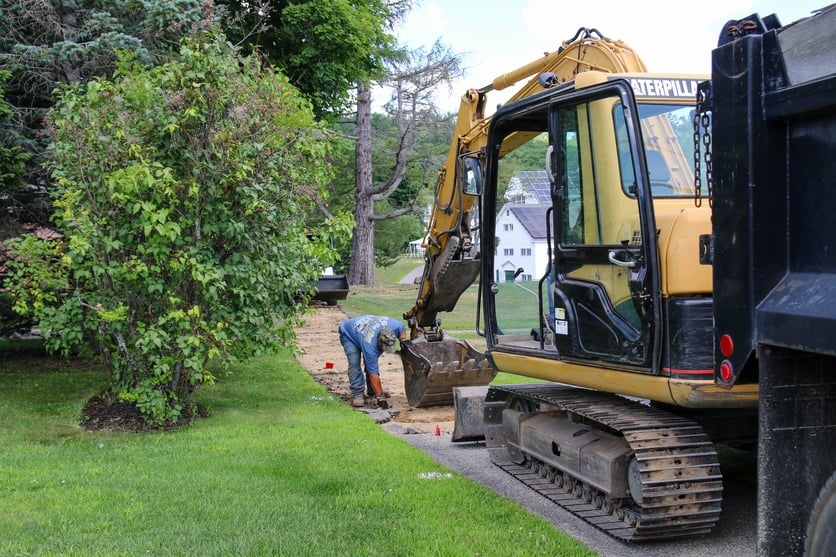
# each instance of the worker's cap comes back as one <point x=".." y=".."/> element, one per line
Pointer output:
<point x="388" y="340"/>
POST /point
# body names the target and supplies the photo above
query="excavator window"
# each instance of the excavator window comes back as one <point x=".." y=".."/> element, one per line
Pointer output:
<point x="522" y="181"/>
<point x="599" y="235"/>
<point x="669" y="145"/>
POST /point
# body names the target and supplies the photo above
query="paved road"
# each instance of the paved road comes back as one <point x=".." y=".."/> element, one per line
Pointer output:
<point x="734" y="536"/>
<point x="414" y="276"/>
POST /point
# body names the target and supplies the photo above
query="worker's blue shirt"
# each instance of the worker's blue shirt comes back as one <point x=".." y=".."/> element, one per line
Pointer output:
<point x="363" y="330"/>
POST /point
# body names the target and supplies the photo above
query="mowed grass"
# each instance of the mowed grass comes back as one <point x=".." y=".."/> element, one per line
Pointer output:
<point x="391" y="297"/>
<point x="281" y="467"/>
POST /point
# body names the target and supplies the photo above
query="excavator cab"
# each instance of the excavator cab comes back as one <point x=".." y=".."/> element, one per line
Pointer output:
<point x="598" y="283"/>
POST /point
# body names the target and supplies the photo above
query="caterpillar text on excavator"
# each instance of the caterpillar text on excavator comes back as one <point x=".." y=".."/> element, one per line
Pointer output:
<point x="688" y="294"/>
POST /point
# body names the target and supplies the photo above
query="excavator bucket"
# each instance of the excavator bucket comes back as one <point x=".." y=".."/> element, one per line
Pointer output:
<point x="433" y="368"/>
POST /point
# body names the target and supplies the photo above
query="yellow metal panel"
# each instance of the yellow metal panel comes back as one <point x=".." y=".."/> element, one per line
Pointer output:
<point x="677" y="392"/>
<point x="679" y="248"/>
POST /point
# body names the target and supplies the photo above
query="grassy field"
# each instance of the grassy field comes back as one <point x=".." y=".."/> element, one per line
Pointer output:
<point x="281" y="467"/>
<point x="390" y="297"/>
<point x="395" y="299"/>
<point x="393" y="274"/>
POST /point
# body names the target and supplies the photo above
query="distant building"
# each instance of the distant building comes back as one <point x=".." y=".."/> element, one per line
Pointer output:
<point x="521" y="228"/>
<point x="416" y="250"/>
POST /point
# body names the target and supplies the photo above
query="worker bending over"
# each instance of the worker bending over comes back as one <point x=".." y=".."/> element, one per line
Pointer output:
<point x="368" y="336"/>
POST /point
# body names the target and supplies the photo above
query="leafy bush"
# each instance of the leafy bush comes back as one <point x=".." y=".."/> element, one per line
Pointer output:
<point x="178" y="194"/>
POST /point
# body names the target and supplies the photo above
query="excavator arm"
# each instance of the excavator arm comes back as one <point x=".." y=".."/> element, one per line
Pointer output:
<point x="451" y="254"/>
<point x="433" y="362"/>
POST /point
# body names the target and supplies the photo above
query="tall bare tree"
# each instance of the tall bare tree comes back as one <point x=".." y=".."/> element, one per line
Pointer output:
<point x="413" y="78"/>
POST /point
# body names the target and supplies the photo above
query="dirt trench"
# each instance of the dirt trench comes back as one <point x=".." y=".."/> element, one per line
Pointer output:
<point x="323" y="357"/>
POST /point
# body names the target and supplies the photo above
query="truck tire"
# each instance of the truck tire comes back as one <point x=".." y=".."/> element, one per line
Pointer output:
<point x="821" y="530"/>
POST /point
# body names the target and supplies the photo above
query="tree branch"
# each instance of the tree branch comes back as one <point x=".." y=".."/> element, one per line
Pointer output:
<point x="393" y="214"/>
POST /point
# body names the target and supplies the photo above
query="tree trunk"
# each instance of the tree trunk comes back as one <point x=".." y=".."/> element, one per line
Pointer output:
<point x="361" y="270"/>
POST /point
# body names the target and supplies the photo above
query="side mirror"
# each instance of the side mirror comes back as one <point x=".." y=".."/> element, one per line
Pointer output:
<point x="471" y="176"/>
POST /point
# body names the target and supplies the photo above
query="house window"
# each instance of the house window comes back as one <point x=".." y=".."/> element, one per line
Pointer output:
<point x="509" y="227"/>
<point x="509" y="251"/>
<point x="525" y="251"/>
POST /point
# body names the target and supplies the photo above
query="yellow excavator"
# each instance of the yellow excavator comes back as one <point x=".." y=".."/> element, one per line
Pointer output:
<point x="435" y="363"/>
<point x="679" y="289"/>
<point x="613" y="307"/>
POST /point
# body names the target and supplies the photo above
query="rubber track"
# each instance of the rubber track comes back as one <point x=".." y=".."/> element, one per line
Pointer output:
<point x="680" y="475"/>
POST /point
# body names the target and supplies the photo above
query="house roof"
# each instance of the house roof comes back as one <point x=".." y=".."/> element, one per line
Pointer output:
<point x="536" y="182"/>
<point x="532" y="217"/>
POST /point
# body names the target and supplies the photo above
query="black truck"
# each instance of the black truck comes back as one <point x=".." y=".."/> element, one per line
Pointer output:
<point x="773" y="112"/>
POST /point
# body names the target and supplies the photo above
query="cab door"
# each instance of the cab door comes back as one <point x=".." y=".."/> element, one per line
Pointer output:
<point x="606" y="285"/>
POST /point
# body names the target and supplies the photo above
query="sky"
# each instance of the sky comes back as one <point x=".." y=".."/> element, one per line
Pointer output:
<point x="495" y="36"/>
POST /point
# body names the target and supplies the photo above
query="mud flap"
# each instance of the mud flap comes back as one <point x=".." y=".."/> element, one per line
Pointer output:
<point x="432" y="369"/>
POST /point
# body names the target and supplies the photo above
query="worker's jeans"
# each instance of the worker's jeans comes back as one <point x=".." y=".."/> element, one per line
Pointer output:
<point x="356" y="380"/>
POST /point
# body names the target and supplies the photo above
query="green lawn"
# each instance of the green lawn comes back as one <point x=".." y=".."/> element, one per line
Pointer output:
<point x="281" y="467"/>
<point x="393" y="274"/>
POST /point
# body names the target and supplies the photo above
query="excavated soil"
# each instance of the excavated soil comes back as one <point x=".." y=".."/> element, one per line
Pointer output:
<point x="323" y="357"/>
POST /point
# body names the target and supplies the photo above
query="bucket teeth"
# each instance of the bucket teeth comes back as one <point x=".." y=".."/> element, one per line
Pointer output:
<point x="433" y="369"/>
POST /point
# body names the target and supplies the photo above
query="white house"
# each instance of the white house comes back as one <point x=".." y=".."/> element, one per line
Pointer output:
<point x="521" y="228"/>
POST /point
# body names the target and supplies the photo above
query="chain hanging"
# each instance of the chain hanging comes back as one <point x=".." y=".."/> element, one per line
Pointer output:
<point x="702" y="127"/>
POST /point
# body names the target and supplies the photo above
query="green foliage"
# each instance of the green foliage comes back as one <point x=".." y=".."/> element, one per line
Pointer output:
<point x="11" y="321"/>
<point x="178" y="195"/>
<point x="45" y="45"/>
<point x="12" y="157"/>
<point x="392" y="237"/>
<point x="324" y="46"/>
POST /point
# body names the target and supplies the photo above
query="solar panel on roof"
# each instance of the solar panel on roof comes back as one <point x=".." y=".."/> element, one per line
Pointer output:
<point x="532" y="217"/>
<point x="535" y="182"/>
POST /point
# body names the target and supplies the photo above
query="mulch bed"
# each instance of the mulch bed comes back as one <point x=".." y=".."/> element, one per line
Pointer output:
<point x="102" y="414"/>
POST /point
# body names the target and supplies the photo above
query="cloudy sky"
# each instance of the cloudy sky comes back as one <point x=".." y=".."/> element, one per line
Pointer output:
<point x="495" y="36"/>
